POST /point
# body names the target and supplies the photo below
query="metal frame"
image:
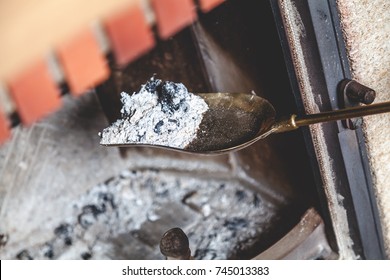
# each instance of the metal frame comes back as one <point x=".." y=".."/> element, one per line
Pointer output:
<point x="346" y="147"/>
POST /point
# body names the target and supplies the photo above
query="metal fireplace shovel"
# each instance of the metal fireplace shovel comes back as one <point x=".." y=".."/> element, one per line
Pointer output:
<point x="237" y="120"/>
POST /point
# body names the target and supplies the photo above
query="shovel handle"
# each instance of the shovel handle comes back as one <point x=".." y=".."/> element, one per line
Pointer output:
<point x="342" y="114"/>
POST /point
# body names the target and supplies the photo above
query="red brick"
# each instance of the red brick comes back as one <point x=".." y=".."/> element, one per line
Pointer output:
<point x="83" y="62"/>
<point x="35" y="93"/>
<point x="5" y="132"/>
<point x="129" y="34"/>
<point x="208" y="5"/>
<point x="173" y="15"/>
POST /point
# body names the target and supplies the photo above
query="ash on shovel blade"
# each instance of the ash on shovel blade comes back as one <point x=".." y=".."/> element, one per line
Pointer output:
<point x="160" y="113"/>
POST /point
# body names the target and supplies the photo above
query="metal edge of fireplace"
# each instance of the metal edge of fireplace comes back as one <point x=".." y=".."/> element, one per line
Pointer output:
<point x="328" y="65"/>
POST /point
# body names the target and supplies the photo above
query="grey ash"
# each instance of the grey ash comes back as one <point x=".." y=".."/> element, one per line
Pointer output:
<point x="160" y="113"/>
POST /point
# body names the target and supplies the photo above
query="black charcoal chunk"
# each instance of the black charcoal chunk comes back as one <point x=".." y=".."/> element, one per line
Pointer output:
<point x="235" y="223"/>
<point x="24" y="255"/>
<point x="48" y="250"/>
<point x="3" y="239"/>
<point x="152" y="84"/>
<point x="204" y="252"/>
<point x="158" y="126"/>
<point x="89" y="215"/>
<point x="86" y="255"/>
<point x="63" y="230"/>
<point x="171" y="96"/>
<point x="240" y="194"/>
<point x="106" y="198"/>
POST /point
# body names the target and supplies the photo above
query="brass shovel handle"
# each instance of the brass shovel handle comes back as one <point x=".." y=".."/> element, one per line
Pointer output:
<point x="343" y="114"/>
<point x="295" y="121"/>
